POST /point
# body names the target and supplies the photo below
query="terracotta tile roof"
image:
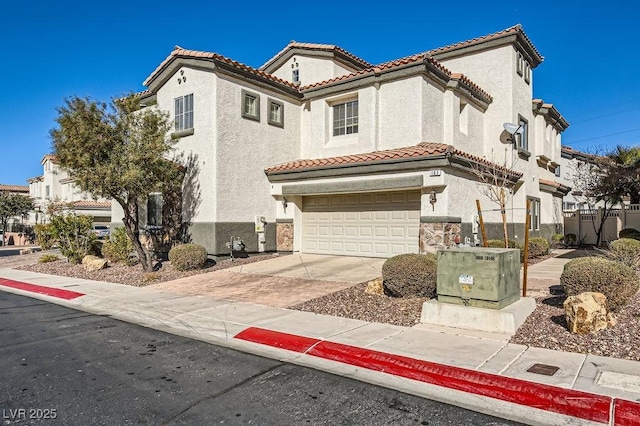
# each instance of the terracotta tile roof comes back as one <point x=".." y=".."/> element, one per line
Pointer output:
<point x="421" y="151"/>
<point x="179" y="52"/>
<point x="554" y="115"/>
<point x="554" y="184"/>
<point x="14" y="188"/>
<point x="574" y="153"/>
<point x="420" y="57"/>
<point x="90" y="204"/>
<point x="316" y="46"/>
<point x="48" y="157"/>
<point x="516" y="29"/>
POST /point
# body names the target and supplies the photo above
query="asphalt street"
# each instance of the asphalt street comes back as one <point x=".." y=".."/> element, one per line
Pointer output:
<point x="61" y="366"/>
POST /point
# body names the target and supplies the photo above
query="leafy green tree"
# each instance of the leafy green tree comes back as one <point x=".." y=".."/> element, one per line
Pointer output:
<point x="13" y="205"/>
<point x="117" y="151"/>
<point x="626" y="167"/>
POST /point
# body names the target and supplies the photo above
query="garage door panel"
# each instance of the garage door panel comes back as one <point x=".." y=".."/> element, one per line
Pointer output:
<point x="377" y="225"/>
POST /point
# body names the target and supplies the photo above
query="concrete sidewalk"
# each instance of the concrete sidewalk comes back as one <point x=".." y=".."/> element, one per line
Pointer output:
<point x="476" y="370"/>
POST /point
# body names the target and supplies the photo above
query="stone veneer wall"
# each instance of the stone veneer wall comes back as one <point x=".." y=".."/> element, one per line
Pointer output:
<point x="438" y="235"/>
<point x="284" y="236"/>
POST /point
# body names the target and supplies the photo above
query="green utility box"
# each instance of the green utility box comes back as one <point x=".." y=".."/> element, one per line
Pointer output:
<point x="479" y="276"/>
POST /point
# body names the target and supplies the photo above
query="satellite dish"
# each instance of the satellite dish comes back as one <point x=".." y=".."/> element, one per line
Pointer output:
<point x="513" y="128"/>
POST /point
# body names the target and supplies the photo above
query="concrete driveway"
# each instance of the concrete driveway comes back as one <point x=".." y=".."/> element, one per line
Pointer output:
<point x="317" y="267"/>
<point x="280" y="281"/>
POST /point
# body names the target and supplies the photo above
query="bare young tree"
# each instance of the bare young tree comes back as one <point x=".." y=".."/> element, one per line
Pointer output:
<point x="495" y="181"/>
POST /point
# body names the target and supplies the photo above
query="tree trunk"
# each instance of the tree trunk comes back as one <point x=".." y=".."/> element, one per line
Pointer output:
<point x="503" y="212"/>
<point x="132" y="228"/>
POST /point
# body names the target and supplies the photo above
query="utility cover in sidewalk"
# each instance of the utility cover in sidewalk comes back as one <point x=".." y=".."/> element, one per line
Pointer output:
<point x="545" y="370"/>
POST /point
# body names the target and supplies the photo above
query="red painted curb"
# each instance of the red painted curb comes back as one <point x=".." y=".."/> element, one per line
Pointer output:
<point x="49" y="291"/>
<point x="626" y="413"/>
<point x="568" y="402"/>
<point x="290" y="342"/>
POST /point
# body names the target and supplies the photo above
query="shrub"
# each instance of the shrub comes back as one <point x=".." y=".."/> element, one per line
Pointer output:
<point x="46" y="258"/>
<point x="570" y="239"/>
<point x="409" y="275"/>
<point x="74" y="235"/>
<point x="44" y="236"/>
<point x="627" y="251"/>
<point x="557" y="238"/>
<point x="538" y="247"/>
<point x="119" y="247"/>
<point x="629" y="233"/>
<point x="186" y="257"/>
<point x="615" y="280"/>
<point x="500" y="244"/>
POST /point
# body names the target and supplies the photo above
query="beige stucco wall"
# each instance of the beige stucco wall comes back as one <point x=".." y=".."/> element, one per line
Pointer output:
<point x="311" y="69"/>
<point x="245" y="148"/>
<point x="495" y="71"/>
<point x="200" y="146"/>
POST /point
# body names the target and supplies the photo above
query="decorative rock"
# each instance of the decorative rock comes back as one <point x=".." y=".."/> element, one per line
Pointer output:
<point x="94" y="263"/>
<point x="375" y="287"/>
<point x="26" y="251"/>
<point x="586" y="313"/>
<point x="89" y="258"/>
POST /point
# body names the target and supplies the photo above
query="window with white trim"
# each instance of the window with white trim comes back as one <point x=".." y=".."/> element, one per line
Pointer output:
<point x="345" y="118"/>
<point x="295" y="76"/>
<point x="183" y="112"/>
<point x="557" y="171"/>
<point x="276" y="113"/>
<point x="250" y="105"/>
<point x="534" y="224"/>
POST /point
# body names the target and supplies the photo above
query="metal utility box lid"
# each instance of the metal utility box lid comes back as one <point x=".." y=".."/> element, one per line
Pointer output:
<point x="479" y="276"/>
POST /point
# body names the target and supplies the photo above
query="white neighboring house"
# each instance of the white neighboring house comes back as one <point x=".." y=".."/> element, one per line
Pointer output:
<point x="320" y="151"/>
<point x="55" y="186"/>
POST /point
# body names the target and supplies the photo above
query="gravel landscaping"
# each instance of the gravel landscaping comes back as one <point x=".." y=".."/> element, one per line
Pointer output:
<point x="545" y="328"/>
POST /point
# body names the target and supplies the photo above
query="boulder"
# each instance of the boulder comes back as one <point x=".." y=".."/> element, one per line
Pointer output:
<point x="375" y="287"/>
<point x="26" y="251"/>
<point x="89" y="258"/>
<point x="586" y="312"/>
<point x="94" y="263"/>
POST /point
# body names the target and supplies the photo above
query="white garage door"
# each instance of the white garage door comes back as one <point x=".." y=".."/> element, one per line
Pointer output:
<point x="373" y="225"/>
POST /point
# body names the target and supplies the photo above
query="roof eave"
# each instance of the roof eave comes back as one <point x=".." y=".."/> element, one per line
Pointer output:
<point x="334" y="53"/>
<point x="517" y="39"/>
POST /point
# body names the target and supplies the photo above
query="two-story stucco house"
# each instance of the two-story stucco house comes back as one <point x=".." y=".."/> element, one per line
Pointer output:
<point x="55" y="186"/>
<point x="321" y="151"/>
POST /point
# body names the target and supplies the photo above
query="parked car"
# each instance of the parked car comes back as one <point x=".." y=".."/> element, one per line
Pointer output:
<point x="101" y="231"/>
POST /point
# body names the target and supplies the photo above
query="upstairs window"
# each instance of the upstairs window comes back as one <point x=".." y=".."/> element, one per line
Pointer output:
<point x="276" y="113"/>
<point x="522" y="137"/>
<point x="250" y="105"/>
<point x="527" y="72"/>
<point x="184" y="112"/>
<point x="557" y="171"/>
<point x="295" y="76"/>
<point x="345" y="118"/>
<point x="520" y="64"/>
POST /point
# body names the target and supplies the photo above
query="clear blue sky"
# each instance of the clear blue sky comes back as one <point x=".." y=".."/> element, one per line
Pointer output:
<point x="56" y="49"/>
